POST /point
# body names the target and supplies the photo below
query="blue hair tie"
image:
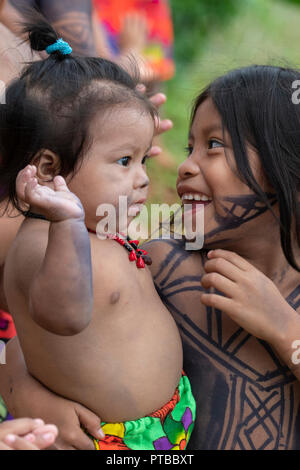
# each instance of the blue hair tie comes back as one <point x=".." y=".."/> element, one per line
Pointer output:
<point x="61" y="46"/>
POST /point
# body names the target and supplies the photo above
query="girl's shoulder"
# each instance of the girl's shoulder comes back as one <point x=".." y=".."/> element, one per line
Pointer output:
<point x="171" y="260"/>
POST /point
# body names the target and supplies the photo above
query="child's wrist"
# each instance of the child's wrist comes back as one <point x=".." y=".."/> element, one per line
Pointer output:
<point x="287" y="340"/>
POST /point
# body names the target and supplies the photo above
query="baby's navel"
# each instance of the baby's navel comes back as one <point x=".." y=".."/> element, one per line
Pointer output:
<point x="115" y="297"/>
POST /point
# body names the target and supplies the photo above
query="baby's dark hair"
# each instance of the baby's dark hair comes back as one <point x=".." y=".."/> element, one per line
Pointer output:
<point x="51" y="106"/>
<point x="257" y="108"/>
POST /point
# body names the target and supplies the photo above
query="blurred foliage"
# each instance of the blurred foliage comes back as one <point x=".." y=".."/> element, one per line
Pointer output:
<point x="194" y="19"/>
<point x="212" y="37"/>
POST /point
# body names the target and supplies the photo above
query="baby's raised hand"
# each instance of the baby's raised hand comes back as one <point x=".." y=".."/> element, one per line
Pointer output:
<point x="56" y="204"/>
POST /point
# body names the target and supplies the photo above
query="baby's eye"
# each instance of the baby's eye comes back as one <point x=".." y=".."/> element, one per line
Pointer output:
<point x="124" y="161"/>
<point x="189" y="150"/>
<point x="214" y="144"/>
<point x="146" y="157"/>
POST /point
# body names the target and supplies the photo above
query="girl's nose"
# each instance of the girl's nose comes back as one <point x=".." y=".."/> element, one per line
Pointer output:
<point x="188" y="168"/>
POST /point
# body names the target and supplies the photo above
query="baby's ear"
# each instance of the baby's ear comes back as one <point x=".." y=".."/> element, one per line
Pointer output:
<point x="47" y="164"/>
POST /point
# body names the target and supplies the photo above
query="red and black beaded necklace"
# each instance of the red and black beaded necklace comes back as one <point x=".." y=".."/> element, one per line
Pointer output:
<point x="135" y="254"/>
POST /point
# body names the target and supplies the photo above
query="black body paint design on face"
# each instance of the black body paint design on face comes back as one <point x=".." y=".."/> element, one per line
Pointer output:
<point x="249" y="206"/>
<point x="246" y="397"/>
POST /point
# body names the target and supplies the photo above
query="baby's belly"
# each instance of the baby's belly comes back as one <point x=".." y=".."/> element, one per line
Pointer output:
<point x="120" y="367"/>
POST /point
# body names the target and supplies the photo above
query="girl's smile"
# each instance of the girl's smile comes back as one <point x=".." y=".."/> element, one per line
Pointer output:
<point x="208" y="180"/>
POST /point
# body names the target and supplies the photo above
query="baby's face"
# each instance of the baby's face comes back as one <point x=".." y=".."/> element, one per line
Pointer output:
<point x="115" y="165"/>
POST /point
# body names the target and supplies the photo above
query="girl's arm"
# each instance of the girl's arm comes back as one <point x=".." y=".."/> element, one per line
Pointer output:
<point x="57" y="282"/>
<point x="26" y="397"/>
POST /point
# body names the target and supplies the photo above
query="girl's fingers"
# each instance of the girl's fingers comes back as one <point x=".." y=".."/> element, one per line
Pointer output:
<point x="230" y="256"/>
<point x="18" y="443"/>
<point x="224" y="267"/>
<point x="217" y="301"/>
<point x="220" y="283"/>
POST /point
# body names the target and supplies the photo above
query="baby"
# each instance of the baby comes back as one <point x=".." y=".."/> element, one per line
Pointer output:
<point x="75" y="133"/>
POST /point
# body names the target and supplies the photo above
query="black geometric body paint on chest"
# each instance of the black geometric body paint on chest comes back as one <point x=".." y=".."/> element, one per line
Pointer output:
<point x="246" y="397"/>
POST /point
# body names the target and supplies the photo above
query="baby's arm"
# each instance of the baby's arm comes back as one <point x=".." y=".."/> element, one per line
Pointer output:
<point x="55" y="279"/>
<point x="26" y="397"/>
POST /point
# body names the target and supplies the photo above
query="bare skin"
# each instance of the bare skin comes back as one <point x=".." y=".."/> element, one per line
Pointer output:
<point x="17" y="385"/>
<point x="246" y="388"/>
<point x="71" y="18"/>
<point x="237" y="308"/>
<point x="129" y="357"/>
<point x="26" y="434"/>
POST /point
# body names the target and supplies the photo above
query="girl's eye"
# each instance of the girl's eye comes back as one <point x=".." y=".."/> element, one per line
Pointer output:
<point x="214" y="144"/>
<point x="124" y="161"/>
<point x="189" y="150"/>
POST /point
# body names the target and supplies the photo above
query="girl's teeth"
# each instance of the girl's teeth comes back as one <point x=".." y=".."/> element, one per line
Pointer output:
<point x="195" y="197"/>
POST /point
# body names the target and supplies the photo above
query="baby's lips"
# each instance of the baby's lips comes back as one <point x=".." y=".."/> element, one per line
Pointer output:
<point x="135" y="209"/>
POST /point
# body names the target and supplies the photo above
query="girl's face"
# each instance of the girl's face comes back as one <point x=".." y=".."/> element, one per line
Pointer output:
<point x="233" y="211"/>
<point x="115" y="165"/>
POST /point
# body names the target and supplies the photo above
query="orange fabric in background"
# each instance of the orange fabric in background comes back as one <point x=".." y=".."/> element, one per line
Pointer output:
<point x="159" y="51"/>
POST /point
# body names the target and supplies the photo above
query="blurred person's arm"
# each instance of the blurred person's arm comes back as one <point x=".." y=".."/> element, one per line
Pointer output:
<point x="71" y="18"/>
<point x="10" y="16"/>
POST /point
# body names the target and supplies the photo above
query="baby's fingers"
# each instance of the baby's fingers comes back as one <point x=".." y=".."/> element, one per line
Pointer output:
<point x="23" y="179"/>
<point x="60" y="184"/>
<point x="30" y="191"/>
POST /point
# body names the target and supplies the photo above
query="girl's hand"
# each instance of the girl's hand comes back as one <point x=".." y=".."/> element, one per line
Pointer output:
<point x="56" y="204"/>
<point x="250" y="298"/>
<point x="26" y="434"/>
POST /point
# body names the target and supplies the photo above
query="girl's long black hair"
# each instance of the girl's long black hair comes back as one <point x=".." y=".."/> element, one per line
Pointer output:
<point x="51" y="105"/>
<point x="258" y="106"/>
